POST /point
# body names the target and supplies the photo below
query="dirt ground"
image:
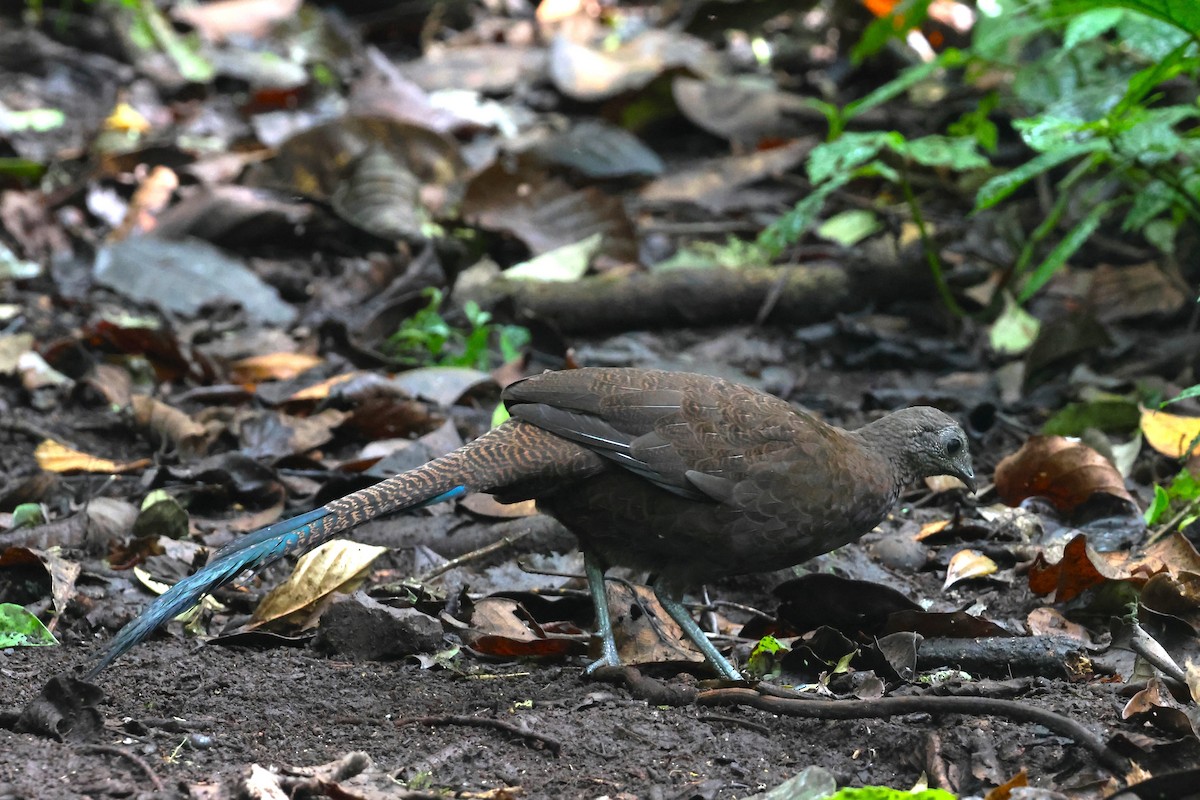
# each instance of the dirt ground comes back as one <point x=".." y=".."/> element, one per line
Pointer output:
<point x="182" y="720"/>
<point x="270" y="405"/>
<point x="188" y="718"/>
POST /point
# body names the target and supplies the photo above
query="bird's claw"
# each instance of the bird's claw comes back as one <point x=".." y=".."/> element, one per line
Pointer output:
<point x="607" y="660"/>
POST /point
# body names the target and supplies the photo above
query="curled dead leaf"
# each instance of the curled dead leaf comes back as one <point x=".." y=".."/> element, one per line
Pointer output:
<point x="1063" y="471"/>
<point x="170" y="424"/>
<point x="1081" y="567"/>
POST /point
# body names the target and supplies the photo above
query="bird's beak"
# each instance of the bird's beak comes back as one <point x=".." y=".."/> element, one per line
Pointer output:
<point x="966" y="474"/>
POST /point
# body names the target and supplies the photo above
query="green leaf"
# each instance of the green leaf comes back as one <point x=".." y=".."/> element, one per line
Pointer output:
<point x="1014" y="330"/>
<point x="766" y="658"/>
<point x="733" y="253"/>
<point x="904" y="17"/>
<point x="1161" y="234"/>
<point x="1110" y="416"/>
<point x="1145" y="81"/>
<point x="1151" y="137"/>
<point x="19" y="628"/>
<point x="835" y="159"/>
<point x="903" y="82"/>
<point x="1151" y="200"/>
<point x="957" y="153"/>
<point x="886" y="793"/>
<point x="977" y="125"/>
<point x="850" y="227"/>
<point x="563" y="264"/>
<point x="1003" y="185"/>
<point x="1064" y="250"/>
<point x="500" y="415"/>
<point x="1149" y="38"/>
<point x="35" y="120"/>
<point x="21" y="168"/>
<point x="27" y="515"/>
<point x="513" y="339"/>
<point x="788" y="229"/>
<point x="1051" y="132"/>
<point x="1184" y="487"/>
<point x="1090" y="25"/>
<point x="1183" y="14"/>
<point x="1186" y="394"/>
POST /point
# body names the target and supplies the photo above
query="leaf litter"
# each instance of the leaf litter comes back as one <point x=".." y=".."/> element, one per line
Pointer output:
<point x="135" y="363"/>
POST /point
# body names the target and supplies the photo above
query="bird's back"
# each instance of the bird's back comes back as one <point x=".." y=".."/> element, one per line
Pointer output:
<point x="709" y="477"/>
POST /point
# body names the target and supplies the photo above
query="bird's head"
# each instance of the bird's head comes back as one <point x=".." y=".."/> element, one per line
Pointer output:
<point x="923" y="442"/>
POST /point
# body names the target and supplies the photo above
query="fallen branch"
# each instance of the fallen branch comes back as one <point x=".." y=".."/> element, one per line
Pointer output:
<point x="782" y="701"/>
<point x="693" y="297"/>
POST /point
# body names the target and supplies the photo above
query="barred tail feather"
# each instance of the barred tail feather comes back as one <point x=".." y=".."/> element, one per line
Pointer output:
<point x="517" y="458"/>
<point x="269" y="544"/>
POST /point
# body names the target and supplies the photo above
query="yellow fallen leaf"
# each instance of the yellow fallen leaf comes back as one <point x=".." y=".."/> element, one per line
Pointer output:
<point x="968" y="564"/>
<point x="55" y="456"/>
<point x="127" y="119"/>
<point x="320" y="391"/>
<point x="337" y="566"/>
<point x="1171" y="434"/>
<point x="930" y="528"/>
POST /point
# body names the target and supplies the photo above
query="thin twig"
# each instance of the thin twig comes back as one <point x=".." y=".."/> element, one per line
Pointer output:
<point x="471" y="556"/>
<point x="553" y="745"/>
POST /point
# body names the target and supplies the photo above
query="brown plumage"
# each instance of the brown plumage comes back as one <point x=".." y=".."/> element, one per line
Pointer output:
<point x="687" y="476"/>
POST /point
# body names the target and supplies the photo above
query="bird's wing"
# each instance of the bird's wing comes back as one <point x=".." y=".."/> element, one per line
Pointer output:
<point x="694" y="435"/>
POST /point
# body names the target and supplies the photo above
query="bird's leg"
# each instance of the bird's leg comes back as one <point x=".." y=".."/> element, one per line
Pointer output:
<point x="681" y="616"/>
<point x="608" y="647"/>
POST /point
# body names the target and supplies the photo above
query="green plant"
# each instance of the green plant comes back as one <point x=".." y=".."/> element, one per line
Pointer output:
<point x="426" y="338"/>
<point x="1089" y="105"/>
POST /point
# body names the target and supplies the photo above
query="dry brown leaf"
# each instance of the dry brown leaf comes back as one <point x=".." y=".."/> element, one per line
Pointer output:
<point x="1176" y="594"/>
<point x="272" y="367"/>
<point x="170" y="424"/>
<point x="1004" y="790"/>
<point x="1065" y="472"/>
<point x="1047" y="621"/>
<point x="501" y="626"/>
<point x="1135" y="291"/>
<point x="54" y="456"/>
<point x="1171" y="434"/>
<point x="651" y="637"/>
<point x="1156" y="705"/>
<point x="148" y="202"/>
<point x="1081" y="568"/>
<point x="486" y="505"/>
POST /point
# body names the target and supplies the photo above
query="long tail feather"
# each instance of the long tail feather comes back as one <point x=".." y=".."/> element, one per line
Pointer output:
<point x="441" y="479"/>
<point x="517" y="458"/>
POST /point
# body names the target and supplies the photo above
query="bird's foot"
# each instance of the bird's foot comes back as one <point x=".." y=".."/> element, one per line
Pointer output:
<point x="606" y="660"/>
<point x="727" y="670"/>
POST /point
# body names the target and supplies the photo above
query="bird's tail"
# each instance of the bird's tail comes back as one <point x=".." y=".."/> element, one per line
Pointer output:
<point x="515" y="457"/>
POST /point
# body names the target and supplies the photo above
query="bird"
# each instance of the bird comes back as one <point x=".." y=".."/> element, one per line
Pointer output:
<point x="686" y="476"/>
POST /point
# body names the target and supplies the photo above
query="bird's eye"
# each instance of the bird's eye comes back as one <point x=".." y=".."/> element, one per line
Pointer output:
<point x="954" y="447"/>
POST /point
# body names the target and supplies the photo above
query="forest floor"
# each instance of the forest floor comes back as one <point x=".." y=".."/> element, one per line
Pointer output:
<point x="210" y="312"/>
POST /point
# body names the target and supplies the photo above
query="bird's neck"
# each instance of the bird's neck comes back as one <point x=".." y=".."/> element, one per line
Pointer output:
<point x="890" y="437"/>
